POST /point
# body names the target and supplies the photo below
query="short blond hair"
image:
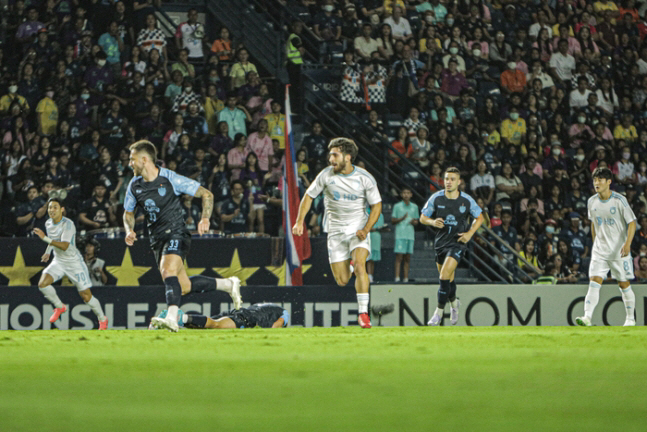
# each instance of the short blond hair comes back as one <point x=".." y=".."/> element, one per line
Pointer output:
<point x="347" y="146"/>
<point x="146" y="147"/>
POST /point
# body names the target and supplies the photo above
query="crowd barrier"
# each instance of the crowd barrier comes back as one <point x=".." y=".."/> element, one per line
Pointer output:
<point x="25" y="308"/>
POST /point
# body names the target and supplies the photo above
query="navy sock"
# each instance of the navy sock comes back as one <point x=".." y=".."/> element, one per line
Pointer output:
<point x="443" y="293"/>
<point x="195" y="321"/>
<point x="173" y="291"/>
<point x="201" y="283"/>
<point x="452" y="291"/>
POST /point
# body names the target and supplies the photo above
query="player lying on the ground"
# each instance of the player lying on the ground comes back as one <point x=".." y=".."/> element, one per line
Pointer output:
<point x="265" y="315"/>
<point x="613" y="227"/>
<point x="68" y="261"/>
<point x="157" y="191"/>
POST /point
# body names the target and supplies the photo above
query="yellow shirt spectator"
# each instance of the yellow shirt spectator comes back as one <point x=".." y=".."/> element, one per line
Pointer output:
<point x="388" y="6"/>
<point x="211" y="109"/>
<point x="600" y="7"/>
<point x="7" y="100"/>
<point x="571" y="33"/>
<point x="276" y="127"/>
<point x="494" y="137"/>
<point x="238" y="73"/>
<point x="532" y="260"/>
<point x="423" y="44"/>
<point x="513" y="130"/>
<point x="47" y="115"/>
<point x="628" y="134"/>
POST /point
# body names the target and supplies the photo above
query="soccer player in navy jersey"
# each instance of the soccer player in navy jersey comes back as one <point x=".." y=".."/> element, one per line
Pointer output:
<point x="449" y="211"/>
<point x="157" y="191"/>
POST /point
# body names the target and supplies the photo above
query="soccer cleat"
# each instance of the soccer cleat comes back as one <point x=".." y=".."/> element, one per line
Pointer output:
<point x="165" y="323"/>
<point x="103" y="325"/>
<point x="435" y="320"/>
<point x="583" y="321"/>
<point x="364" y="320"/>
<point x="235" y="292"/>
<point x="57" y="313"/>
<point x="454" y="313"/>
<point x="629" y="323"/>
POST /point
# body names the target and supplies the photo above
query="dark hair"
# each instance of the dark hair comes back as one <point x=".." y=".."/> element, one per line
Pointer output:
<point x="56" y="200"/>
<point x="347" y="146"/>
<point x="146" y="147"/>
<point x="237" y="182"/>
<point x="602" y="173"/>
<point x="453" y="170"/>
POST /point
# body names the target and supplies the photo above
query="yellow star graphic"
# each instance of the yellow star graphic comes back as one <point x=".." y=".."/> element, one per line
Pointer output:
<point x="235" y="269"/>
<point x="127" y="274"/>
<point x="192" y="271"/>
<point x="280" y="271"/>
<point x="19" y="274"/>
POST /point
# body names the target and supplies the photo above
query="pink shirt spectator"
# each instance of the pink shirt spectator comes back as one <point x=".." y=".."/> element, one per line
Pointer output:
<point x="538" y="169"/>
<point x="265" y="108"/>
<point x="485" y="47"/>
<point x="573" y="45"/>
<point x="574" y="130"/>
<point x="236" y="157"/>
<point x="263" y="149"/>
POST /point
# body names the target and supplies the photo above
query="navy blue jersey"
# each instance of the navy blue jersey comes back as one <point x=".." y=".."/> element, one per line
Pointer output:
<point x="257" y="315"/>
<point x="160" y="200"/>
<point x="456" y="214"/>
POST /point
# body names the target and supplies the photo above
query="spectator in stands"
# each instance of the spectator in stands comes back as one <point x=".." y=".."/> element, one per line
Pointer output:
<point x="513" y="129"/>
<point x="385" y="43"/>
<point x="365" y="46"/>
<point x="96" y="265"/>
<point x="223" y="47"/>
<point x="183" y="65"/>
<point x="626" y="130"/>
<point x="528" y="253"/>
<point x="219" y="182"/>
<point x="482" y="183"/>
<point x="404" y="217"/>
<point x="327" y="26"/>
<point x="172" y="137"/>
<point x="189" y="36"/>
<point x="508" y="185"/>
<point x="401" y="145"/>
<point x="152" y="38"/>
<point x="97" y="212"/>
<point x="276" y="124"/>
<point x="235" y="210"/>
<point x="580" y="96"/>
<point x="400" y="27"/>
<point x="317" y="145"/>
<point x="421" y="147"/>
<point x="32" y="213"/>
<point x="252" y="177"/>
<point x="513" y="80"/>
<point x="235" y="115"/>
<point x="562" y="64"/>
<point x="453" y="81"/>
<point x="260" y="144"/>
<point x="237" y="155"/>
<point x="112" y="44"/>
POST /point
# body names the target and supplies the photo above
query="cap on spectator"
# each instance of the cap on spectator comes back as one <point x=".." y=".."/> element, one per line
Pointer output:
<point x="574" y="215"/>
<point x="599" y="147"/>
<point x="510" y="6"/>
<point x="551" y="222"/>
<point x="350" y="6"/>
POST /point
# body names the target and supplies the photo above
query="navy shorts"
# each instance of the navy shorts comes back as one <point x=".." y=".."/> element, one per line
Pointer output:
<point x="174" y="245"/>
<point x="455" y="251"/>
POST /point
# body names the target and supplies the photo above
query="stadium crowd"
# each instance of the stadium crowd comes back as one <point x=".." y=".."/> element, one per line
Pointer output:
<point x="525" y="97"/>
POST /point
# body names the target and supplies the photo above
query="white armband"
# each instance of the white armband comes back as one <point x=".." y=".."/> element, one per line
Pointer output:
<point x="47" y="240"/>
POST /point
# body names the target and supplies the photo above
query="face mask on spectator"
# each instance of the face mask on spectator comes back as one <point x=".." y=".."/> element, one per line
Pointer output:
<point x="329" y="8"/>
<point x="555" y="143"/>
<point x="595" y="121"/>
<point x="453" y="50"/>
<point x="188" y="89"/>
<point x="626" y="156"/>
<point x="13" y="89"/>
<point x="512" y="65"/>
<point x="579" y="157"/>
<point x="101" y="63"/>
<point x="213" y="79"/>
<point x="557" y="152"/>
<point x="85" y="96"/>
<point x="450" y="21"/>
<point x="550" y="229"/>
<point x="643" y="253"/>
<point x="476" y="53"/>
<point x="514" y="116"/>
<point x="581" y="119"/>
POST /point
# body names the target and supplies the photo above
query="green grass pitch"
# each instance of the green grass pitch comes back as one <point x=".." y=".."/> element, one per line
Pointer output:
<point x="326" y="379"/>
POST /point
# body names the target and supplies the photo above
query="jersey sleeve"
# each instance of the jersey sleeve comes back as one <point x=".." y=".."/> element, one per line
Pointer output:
<point x="373" y="193"/>
<point x="317" y="186"/>
<point x="626" y="211"/>
<point x="588" y="209"/>
<point x="130" y="202"/>
<point x="69" y="230"/>
<point x="396" y="211"/>
<point x="475" y="210"/>
<point x="429" y="209"/>
<point x="181" y="184"/>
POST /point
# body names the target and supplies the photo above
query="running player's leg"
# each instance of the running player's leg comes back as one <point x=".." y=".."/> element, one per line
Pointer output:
<point x="623" y="271"/>
<point x="360" y="255"/>
<point x="200" y="283"/>
<point x="45" y="287"/>
<point x="341" y="272"/>
<point x="171" y="265"/>
<point x="339" y="255"/>
<point x="80" y="276"/>
<point x="446" y="276"/>
<point x="598" y="270"/>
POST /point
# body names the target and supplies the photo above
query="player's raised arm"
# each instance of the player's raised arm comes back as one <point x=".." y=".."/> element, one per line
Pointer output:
<point x="207" y="209"/>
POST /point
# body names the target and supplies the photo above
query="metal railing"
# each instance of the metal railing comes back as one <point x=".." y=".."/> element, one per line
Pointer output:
<point x="490" y="254"/>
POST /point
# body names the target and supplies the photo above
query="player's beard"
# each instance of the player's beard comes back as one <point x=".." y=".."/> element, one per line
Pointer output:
<point x="341" y="166"/>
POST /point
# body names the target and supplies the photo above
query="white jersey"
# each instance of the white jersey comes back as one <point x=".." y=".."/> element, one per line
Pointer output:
<point x="610" y="219"/>
<point x="64" y="231"/>
<point x="345" y="197"/>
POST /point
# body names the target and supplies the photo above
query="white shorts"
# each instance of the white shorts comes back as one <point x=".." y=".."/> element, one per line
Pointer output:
<point x="340" y="246"/>
<point x="77" y="273"/>
<point x="622" y="269"/>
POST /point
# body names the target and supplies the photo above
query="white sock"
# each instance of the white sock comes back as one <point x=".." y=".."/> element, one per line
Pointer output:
<point x="629" y="298"/>
<point x="370" y="278"/>
<point x="362" y="302"/>
<point x="172" y="313"/>
<point x="454" y="304"/>
<point x="224" y="285"/>
<point x="96" y="308"/>
<point x="592" y="298"/>
<point x="50" y="294"/>
<point x="397" y="279"/>
<point x="405" y="280"/>
<point x="439" y="311"/>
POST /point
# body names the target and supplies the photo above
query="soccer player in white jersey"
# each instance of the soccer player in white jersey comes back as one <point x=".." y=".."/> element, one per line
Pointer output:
<point x="613" y="229"/>
<point x="347" y="190"/>
<point x="68" y="261"/>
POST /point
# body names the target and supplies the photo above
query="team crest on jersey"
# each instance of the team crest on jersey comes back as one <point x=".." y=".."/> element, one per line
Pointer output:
<point x="613" y="210"/>
<point x="161" y="190"/>
<point x="462" y="208"/>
